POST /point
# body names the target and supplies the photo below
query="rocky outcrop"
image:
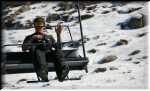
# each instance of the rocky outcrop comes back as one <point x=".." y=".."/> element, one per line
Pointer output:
<point x="134" y="22"/>
<point x="128" y="10"/>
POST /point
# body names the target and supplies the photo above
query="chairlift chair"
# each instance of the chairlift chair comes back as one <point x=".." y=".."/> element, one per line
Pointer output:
<point x="21" y="62"/>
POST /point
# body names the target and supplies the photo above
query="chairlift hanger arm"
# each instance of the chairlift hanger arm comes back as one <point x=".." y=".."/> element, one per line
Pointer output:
<point x="78" y="9"/>
<point x="67" y="26"/>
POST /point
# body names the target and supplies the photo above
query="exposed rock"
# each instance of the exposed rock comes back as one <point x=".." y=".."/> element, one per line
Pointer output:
<point x="53" y="7"/>
<point x="128" y="10"/>
<point x="92" y="51"/>
<point x="134" y="22"/>
<point x="141" y="58"/>
<point x="104" y="6"/>
<point x="18" y="25"/>
<point x="136" y="62"/>
<point x="87" y="16"/>
<point x="84" y="5"/>
<point x="65" y="6"/>
<point x="52" y="17"/>
<point x="45" y="85"/>
<point x="34" y="8"/>
<point x="144" y="57"/>
<point x="23" y="9"/>
<point x="29" y="24"/>
<point x="21" y="17"/>
<point x="113" y="68"/>
<point x="134" y="52"/>
<point x="129" y="71"/>
<point x="65" y="17"/>
<point x="141" y="35"/>
<point x="19" y="41"/>
<point x="101" y="44"/>
<point x="96" y="37"/>
<point x="114" y="8"/>
<point x="105" y="12"/>
<point x="9" y="21"/>
<point x="85" y="39"/>
<point x="121" y="42"/>
<point x="43" y="6"/>
<point x="91" y="7"/>
<point x="97" y="70"/>
<point x="129" y="59"/>
<point x="48" y="26"/>
<point x="13" y="4"/>
<point x="107" y="59"/>
<point x="110" y="80"/>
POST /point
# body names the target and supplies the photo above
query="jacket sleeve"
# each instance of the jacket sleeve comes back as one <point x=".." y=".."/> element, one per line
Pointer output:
<point x="27" y="40"/>
<point x="56" y="45"/>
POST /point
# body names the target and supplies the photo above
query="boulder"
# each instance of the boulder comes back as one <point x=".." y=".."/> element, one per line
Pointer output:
<point x="107" y="59"/>
<point x="23" y="9"/>
<point x="52" y="17"/>
<point x="105" y="12"/>
<point x="128" y="10"/>
<point x="92" y="7"/>
<point x="92" y="51"/>
<point x="136" y="62"/>
<point x="134" y="22"/>
<point x="141" y="35"/>
<point x="101" y="44"/>
<point x="85" y="39"/>
<point x="85" y="16"/>
<point x="121" y="42"/>
<point x="134" y="52"/>
<point x="65" y="17"/>
<point x="97" y="70"/>
<point x="65" y="6"/>
<point x="144" y="57"/>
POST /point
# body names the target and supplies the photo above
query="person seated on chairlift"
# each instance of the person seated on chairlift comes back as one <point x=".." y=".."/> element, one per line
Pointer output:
<point x="45" y="43"/>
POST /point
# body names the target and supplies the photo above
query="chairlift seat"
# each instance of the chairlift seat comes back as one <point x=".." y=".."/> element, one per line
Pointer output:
<point x="21" y="62"/>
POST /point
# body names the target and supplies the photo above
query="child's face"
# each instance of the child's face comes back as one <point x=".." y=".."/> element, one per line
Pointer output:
<point x="39" y="29"/>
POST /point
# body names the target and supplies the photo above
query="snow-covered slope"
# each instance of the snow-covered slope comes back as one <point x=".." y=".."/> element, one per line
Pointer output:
<point x="127" y="71"/>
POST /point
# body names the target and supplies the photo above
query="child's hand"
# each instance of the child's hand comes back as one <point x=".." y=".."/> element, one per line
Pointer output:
<point x="59" y="28"/>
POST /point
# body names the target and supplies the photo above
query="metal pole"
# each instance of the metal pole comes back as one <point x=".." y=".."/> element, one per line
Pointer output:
<point x="81" y="29"/>
<point x="70" y="33"/>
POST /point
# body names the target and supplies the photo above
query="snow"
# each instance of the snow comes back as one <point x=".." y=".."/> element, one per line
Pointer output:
<point x="30" y="15"/>
<point x="128" y="75"/>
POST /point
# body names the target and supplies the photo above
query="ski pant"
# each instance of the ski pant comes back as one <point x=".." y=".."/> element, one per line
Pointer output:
<point x="40" y="63"/>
